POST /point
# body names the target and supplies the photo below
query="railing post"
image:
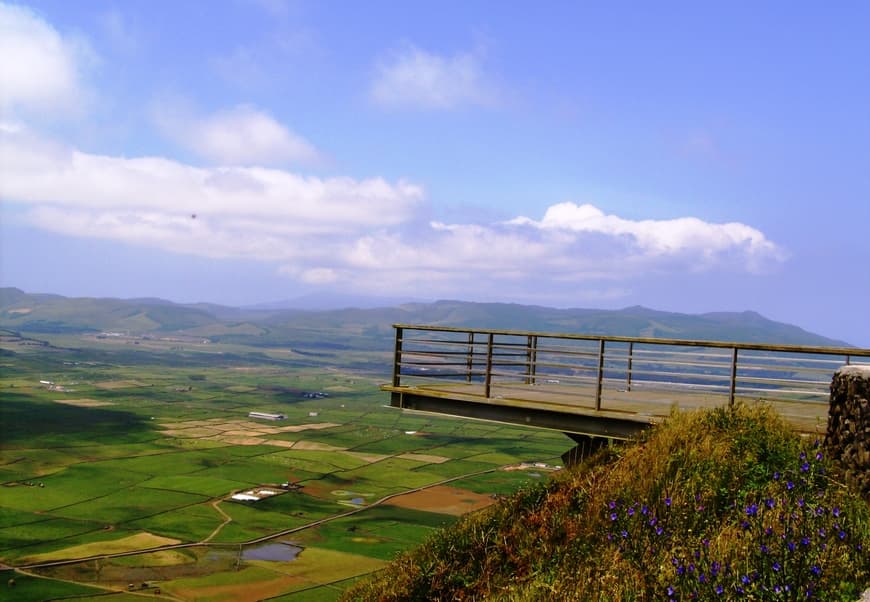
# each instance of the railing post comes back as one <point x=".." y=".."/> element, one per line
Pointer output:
<point x="531" y="358"/>
<point x="600" y="374"/>
<point x="469" y="360"/>
<point x="397" y="357"/>
<point x="487" y="379"/>
<point x="733" y="387"/>
<point x="848" y="359"/>
<point x="630" y="360"/>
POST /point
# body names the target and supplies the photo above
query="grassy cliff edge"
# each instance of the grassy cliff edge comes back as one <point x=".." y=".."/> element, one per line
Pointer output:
<point x="721" y="504"/>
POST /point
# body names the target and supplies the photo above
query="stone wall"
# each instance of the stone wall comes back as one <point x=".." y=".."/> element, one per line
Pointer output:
<point x="848" y="435"/>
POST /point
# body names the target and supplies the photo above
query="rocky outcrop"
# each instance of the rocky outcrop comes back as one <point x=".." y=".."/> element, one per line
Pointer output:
<point x="848" y="435"/>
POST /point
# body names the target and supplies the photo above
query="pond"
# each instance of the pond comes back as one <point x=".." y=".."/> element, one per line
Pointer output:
<point x="272" y="551"/>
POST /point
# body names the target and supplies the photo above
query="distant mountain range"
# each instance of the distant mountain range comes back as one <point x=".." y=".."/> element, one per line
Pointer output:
<point x="371" y="327"/>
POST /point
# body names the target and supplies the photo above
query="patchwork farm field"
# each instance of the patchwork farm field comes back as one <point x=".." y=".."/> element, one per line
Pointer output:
<point x="118" y="466"/>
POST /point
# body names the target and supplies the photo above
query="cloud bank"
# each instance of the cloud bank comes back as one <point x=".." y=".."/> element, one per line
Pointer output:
<point x="364" y="234"/>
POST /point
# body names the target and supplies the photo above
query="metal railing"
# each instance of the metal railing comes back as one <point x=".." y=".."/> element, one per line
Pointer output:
<point x="590" y="365"/>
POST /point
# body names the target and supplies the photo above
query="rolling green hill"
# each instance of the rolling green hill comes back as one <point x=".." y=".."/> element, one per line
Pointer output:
<point x="372" y="328"/>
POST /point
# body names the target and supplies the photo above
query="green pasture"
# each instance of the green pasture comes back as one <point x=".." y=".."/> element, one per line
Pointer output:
<point x="37" y="589"/>
<point x="248" y="470"/>
<point x="130" y="504"/>
<point x="248" y="451"/>
<point x="397" y="443"/>
<point x="301" y="505"/>
<point x="454" y="468"/>
<point x="501" y="481"/>
<point x="315" y="462"/>
<point x="69" y="539"/>
<point x="176" y="462"/>
<point x="190" y="523"/>
<point x="69" y="486"/>
<point x="318" y="566"/>
<point x="20" y="536"/>
<point x="350" y="436"/>
<point x="251" y="521"/>
<point x="10" y="517"/>
<point x="194" y="483"/>
<point x="392" y="473"/>
<point x="248" y="574"/>
<point x="379" y="532"/>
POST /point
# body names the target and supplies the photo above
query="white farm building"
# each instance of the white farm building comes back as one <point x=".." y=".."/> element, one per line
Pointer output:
<point x="267" y="416"/>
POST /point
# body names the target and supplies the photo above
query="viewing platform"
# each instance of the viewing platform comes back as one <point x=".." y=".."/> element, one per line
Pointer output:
<point x="599" y="386"/>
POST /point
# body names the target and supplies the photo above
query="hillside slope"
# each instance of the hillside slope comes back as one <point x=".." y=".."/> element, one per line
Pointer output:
<point x="724" y="504"/>
<point x="372" y="328"/>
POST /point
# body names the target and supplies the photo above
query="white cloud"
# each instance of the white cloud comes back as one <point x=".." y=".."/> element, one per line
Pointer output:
<point x="415" y="78"/>
<point x="243" y="135"/>
<point x="40" y="70"/>
<point x="362" y="235"/>
<point x="657" y="238"/>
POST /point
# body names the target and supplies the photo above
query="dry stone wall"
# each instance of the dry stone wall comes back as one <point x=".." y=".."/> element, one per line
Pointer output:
<point x="848" y="435"/>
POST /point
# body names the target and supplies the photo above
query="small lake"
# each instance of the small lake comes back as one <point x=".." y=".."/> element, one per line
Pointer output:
<point x="272" y="551"/>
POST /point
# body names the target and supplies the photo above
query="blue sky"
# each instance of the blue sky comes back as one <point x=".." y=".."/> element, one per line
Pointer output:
<point x="683" y="156"/>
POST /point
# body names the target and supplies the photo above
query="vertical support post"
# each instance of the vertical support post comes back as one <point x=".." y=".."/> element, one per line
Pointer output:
<point x="630" y="361"/>
<point x="733" y="387"/>
<point x="534" y="361"/>
<point x="600" y="374"/>
<point x="487" y="379"/>
<point x="469" y="359"/>
<point x="848" y="359"/>
<point x="397" y="357"/>
<point x="531" y="358"/>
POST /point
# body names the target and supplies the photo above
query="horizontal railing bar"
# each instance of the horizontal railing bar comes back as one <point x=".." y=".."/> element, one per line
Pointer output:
<point x="793" y="368"/>
<point x="782" y="391"/>
<point x="411" y="363"/>
<point x="802" y="357"/>
<point x="703" y="375"/>
<point x="440" y="376"/>
<point x="455" y="343"/>
<point x="796" y="381"/>
<point x="567" y="366"/>
<point x="573" y="352"/>
<point x="442" y="351"/>
<point x="687" y="351"/>
<point x="851" y="351"/>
